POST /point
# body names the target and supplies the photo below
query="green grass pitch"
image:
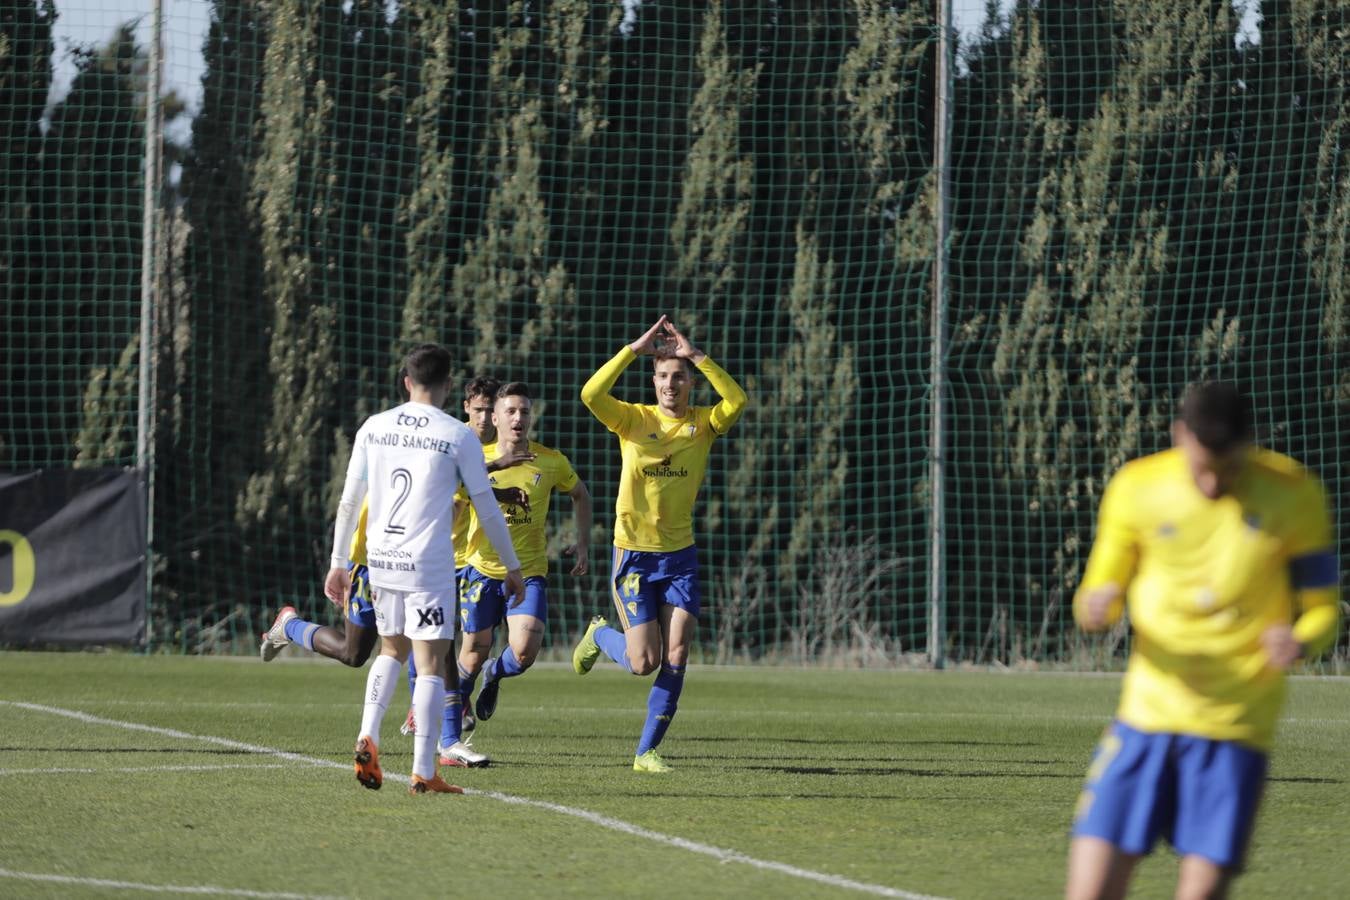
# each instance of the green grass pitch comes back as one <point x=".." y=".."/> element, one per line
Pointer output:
<point x="124" y="775"/>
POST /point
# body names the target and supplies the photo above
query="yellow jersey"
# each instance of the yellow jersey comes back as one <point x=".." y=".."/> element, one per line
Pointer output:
<point x="1203" y="579"/>
<point x="459" y="531"/>
<point x="357" y="552"/>
<point x="549" y="471"/>
<point x="664" y="459"/>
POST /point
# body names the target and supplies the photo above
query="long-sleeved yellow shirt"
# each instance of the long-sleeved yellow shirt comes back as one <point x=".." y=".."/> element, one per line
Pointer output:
<point x="664" y="459"/>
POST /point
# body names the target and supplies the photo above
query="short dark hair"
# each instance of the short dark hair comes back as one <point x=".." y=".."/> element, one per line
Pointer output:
<point x="661" y="355"/>
<point x="514" y="389"/>
<point x="481" y="386"/>
<point x="428" y="365"/>
<point x="1218" y="414"/>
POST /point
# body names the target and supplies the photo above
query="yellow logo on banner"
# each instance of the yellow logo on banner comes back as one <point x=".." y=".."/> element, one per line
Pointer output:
<point x="25" y="568"/>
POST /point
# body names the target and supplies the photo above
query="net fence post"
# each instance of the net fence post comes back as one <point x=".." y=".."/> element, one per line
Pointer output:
<point x="150" y="234"/>
<point x="937" y="630"/>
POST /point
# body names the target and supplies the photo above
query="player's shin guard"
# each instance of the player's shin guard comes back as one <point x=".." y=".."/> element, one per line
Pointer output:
<point x="613" y="644"/>
<point x="380" y="685"/>
<point x="301" y="632"/>
<point x="466" y="683"/>
<point x="661" y="703"/>
<point x="504" y="666"/>
<point x="452" y="722"/>
<point x="428" y="702"/>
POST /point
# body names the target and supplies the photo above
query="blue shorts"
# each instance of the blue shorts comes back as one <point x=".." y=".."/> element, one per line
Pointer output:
<point x="1199" y="794"/>
<point x="643" y="582"/>
<point x="483" y="600"/>
<point x="360" y="607"/>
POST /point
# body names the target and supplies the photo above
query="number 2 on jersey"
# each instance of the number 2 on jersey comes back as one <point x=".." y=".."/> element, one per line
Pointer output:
<point x="401" y="482"/>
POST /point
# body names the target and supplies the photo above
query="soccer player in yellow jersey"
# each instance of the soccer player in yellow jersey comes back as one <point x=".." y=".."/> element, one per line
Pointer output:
<point x="482" y="598"/>
<point x="1223" y="554"/>
<point x="654" y="580"/>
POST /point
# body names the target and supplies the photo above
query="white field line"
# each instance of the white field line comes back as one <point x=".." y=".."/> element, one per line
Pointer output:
<point x="718" y="853"/>
<point x="206" y="889"/>
<point x="695" y="713"/>
<point x="132" y="770"/>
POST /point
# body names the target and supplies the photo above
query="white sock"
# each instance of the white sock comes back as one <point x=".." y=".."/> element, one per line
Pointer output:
<point x="428" y="705"/>
<point x="380" y="685"/>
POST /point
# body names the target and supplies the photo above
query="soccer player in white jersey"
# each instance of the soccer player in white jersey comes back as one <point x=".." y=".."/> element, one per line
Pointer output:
<point x="408" y="462"/>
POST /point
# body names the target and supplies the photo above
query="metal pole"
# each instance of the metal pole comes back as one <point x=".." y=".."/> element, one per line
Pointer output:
<point x="942" y="126"/>
<point x="152" y="173"/>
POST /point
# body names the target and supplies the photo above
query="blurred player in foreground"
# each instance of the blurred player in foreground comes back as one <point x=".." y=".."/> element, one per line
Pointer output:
<point x="483" y="603"/>
<point x="1223" y="553"/>
<point x="655" y="580"/>
<point x="409" y="462"/>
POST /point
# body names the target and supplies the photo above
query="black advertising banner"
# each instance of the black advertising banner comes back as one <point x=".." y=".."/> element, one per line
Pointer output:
<point x="72" y="557"/>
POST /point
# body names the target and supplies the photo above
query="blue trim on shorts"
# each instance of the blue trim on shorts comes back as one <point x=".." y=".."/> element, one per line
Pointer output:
<point x="1201" y="795"/>
<point x="483" y="600"/>
<point x="360" y="607"/>
<point x="642" y="582"/>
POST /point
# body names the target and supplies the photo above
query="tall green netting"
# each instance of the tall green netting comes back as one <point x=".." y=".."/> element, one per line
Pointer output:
<point x="1142" y="193"/>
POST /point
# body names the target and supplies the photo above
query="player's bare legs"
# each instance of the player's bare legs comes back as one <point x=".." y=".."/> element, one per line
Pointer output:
<point x="351" y="646"/>
<point x="1098" y="870"/>
<point x="524" y="635"/>
<point x="1201" y="879"/>
<point x="474" y="652"/>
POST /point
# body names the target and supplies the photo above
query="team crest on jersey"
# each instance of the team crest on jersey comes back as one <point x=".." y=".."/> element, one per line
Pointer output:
<point x="653" y="436"/>
<point x="1252" y="521"/>
<point x="538" y="476"/>
<point x="693" y="430"/>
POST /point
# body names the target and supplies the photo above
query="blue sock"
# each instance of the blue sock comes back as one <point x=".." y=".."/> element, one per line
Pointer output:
<point x="613" y="644"/>
<point x="301" y="632"/>
<point x="412" y="674"/>
<point x="466" y="683"/>
<point x="504" y="666"/>
<point x="450" y="722"/>
<point x="661" y="703"/>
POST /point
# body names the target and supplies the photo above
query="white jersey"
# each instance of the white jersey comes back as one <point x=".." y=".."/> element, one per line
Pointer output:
<point x="413" y="458"/>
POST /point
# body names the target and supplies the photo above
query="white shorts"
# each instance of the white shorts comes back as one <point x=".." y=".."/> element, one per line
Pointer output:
<point x="421" y="615"/>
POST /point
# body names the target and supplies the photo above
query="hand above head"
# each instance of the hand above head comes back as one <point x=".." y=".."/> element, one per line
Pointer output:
<point x="681" y="345"/>
<point x="653" y="336"/>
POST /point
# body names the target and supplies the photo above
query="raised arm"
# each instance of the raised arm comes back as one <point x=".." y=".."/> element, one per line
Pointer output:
<point x="732" y="404"/>
<point x="595" y="393"/>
